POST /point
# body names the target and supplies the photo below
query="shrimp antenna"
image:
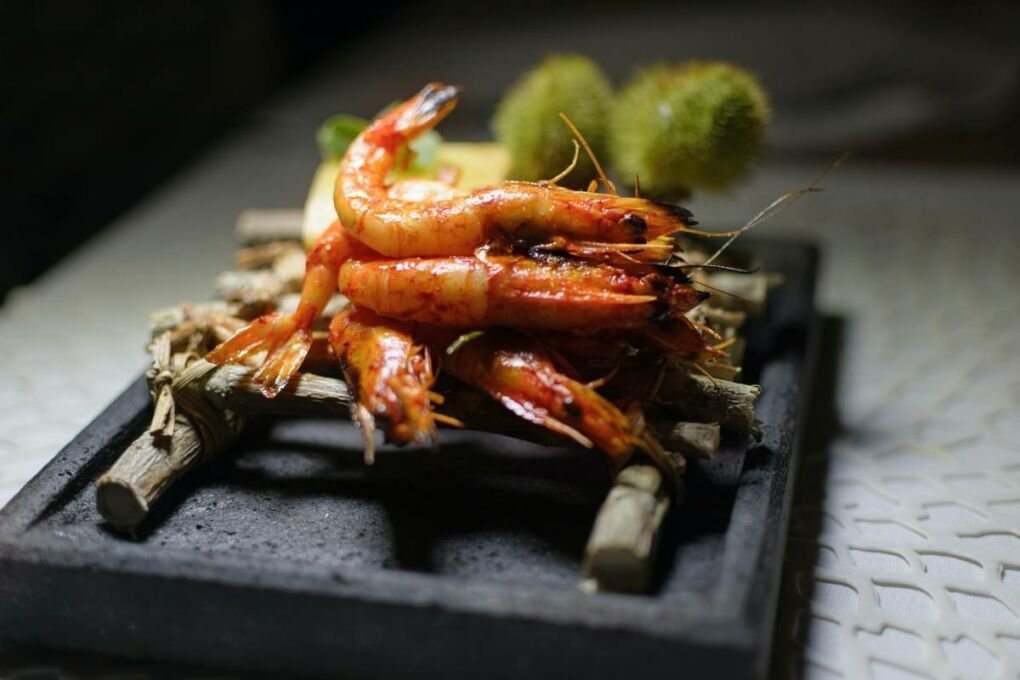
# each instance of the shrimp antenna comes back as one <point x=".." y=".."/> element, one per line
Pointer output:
<point x="599" y="382"/>
<point x="723" y="292"/>
<point x="781" y="203"/>
<point x="637" y="185"/>
<point x="610" y="187"/>
<point x="569" y="168"/>
<point x="717" y="267"/>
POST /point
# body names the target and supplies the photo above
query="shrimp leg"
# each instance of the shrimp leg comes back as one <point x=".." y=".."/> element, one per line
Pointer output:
<point x="286" y="338"/>
<point x="389" y="373"/>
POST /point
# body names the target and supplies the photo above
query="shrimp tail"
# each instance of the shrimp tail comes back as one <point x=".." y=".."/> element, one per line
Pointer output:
<point x="278" y="368"/>
<point x="424" y="110"/>
<point x="285" y="342"/>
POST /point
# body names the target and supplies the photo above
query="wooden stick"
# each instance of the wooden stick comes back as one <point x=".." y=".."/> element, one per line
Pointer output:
<point x="725" y="322"/>
<point x="263" y="226"/>
<point x="739" y="292"/>
<point x="284" y="276"/>
<point x="149" y="466"/>
<point x="266" y="254"/>
<point x="146" y="469"/>
<point x="700" y="398"/>
<point x="170" y="318"/>
<point x="126" y="493"/>
<point x="693" y="440"/>
<point x="721" y="368"/>
<point x="620" y="553"/>
<point x="247" y="287"/>
<point x="309" y="395"/>
<point x="231" y="388"/>
<point x="161" y="455"/>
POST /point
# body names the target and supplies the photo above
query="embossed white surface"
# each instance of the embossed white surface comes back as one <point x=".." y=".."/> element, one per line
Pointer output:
<point x="904" y="554"/>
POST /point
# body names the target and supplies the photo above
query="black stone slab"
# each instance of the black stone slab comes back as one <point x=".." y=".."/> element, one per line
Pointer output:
<point x="293" y="557"/>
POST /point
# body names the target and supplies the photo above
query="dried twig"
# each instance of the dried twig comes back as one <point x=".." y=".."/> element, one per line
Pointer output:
<point x="620" y="553"/>
<point x="267" y="254"/>
<point x="247" y="287"/>
<point x="621" y="550"/>
<point x="151" y="464"/>
<point x="231" y="388"/>
<point x="262" y="226"/>
<point x="199" y="315"/>
<point x="703" y="399"/>
<point x="693" y="440"/>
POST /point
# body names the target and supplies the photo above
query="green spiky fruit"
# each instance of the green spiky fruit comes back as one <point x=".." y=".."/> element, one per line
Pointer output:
<point x="699" y="125"/>
<point x="527" y="120"/>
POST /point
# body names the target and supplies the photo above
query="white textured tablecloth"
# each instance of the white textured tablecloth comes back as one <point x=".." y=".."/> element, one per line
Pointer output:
<point x="904" y="554"/>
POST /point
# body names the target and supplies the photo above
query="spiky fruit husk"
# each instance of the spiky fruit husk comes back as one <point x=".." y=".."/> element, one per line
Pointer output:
<point x="699" y="125"/>
<point x="527" y="119"/>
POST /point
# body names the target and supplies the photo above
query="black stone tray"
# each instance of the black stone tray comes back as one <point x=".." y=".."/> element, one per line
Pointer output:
<point x="292" y="557"/>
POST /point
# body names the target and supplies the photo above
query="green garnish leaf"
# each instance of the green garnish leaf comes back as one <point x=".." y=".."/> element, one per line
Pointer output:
<point x="337" y="133"/>
<point x="426" y="151"/>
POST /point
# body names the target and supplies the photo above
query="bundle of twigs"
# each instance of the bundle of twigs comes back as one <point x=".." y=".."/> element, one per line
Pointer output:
<point x="200" y="408"/>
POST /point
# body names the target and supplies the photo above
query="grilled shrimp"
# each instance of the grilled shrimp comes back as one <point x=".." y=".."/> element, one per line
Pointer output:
<point x="457" y="224"/>
<point x="516" y="291"/>
<point x="286" y="338"/>
<point x="390" y="375"/>
<point x="520" y="374"/>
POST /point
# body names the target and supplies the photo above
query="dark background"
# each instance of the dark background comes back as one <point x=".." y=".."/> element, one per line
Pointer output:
<point x="104" y="101"/>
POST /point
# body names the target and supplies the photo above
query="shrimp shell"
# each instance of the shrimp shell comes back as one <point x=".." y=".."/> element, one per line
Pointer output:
<point x="515" y="291"/>
<point x="520" y="374"/>
<point x="390" y="373"/>
<point x="452" y="224"/>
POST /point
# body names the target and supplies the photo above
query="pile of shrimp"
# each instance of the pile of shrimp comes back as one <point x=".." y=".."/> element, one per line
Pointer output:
<point x="497" y="287"/>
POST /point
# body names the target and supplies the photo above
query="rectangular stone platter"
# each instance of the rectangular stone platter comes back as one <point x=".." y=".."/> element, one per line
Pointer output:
<point x="292" y="556"/>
